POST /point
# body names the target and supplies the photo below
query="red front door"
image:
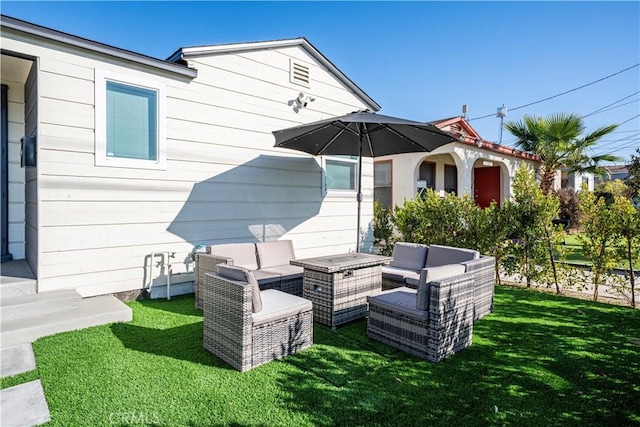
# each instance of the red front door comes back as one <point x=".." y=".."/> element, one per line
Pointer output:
<point x="486" y="185"/>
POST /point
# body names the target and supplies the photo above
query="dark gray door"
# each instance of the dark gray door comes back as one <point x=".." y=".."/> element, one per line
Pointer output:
<point x="4" y="166"/>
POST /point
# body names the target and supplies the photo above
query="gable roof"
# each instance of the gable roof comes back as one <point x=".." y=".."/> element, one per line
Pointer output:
<point x="459" y="126"/>
<point x="7" y="22"/>
<point x="195" y="51"/>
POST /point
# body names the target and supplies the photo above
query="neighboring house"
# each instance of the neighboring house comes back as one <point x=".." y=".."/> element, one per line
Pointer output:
<point x="471" y="166"/>
<point x="138" y="158"/>
<point x="615" y="172"/>
<point x="575" y="180"/>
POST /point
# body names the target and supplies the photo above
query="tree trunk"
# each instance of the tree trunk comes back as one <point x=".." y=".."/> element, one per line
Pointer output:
<point x="553" y="263"/>
<point x="526" y="262"/>
<point x="596" y="280"/>
<point x="547" y="179"/>
<point x="632" y="278"/>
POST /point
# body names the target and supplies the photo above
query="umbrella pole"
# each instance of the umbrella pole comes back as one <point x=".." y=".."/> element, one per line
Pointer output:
<point x="359" y="195"/>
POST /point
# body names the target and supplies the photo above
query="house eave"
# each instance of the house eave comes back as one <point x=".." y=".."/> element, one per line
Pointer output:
<point x="82" y="43"/>
<point x="196" y="51"/>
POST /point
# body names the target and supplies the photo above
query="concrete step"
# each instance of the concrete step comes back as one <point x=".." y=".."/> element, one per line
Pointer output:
<point x="33" y="305"/>
<point x="92" y="312"/>
<point x="16" y="287"/>
<point x="16" y="278"/>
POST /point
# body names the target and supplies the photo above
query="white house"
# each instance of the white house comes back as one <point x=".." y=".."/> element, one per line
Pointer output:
<point x="139" y="158"/>
<point x="470" y="165"/>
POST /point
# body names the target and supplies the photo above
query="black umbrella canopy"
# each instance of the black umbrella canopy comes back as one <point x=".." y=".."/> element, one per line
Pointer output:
<point x="362" y="134"/>
<point x="381" y="136"/>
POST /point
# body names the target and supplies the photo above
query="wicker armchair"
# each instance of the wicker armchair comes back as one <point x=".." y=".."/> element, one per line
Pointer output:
<point x="444" y="328"/>
<point x="244" y="338"/>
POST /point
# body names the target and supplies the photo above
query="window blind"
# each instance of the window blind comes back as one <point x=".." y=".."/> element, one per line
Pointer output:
<point x="132" y="122"/>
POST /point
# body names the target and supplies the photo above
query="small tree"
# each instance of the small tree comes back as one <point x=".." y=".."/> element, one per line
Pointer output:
<point x="499" y="225"/>
<point x="536" y="243"/>
<point x="627" y="223"/>
<point x="633" y="180"/>
<point x="383" y="228"/>
<point x="611" y="189"/>
<point x="600" y="232"/>
<point x="568" y="206"/>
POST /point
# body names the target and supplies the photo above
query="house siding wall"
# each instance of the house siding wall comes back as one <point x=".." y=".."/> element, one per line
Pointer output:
<point x="224" y="181"/>
<point x="31" y="173"/>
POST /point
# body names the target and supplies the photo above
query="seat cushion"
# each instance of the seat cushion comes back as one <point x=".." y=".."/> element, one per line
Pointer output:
<point x="273" y="254"/>
<point x="399" y="274"/>
<point x="432" y="274"/>
<point x="441" y="255"/>
<point x="410" y="256"/>
<point x="265" y="277"/>
<point x="399" y="300"/>
<point x="243" y="275"/>
<point x="286" y="272"/>
<point x="279" y="305"/>
<point x="243" y="254"/>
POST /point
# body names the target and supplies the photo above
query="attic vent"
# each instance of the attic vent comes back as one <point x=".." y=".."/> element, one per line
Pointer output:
<point x="299" y="73"/>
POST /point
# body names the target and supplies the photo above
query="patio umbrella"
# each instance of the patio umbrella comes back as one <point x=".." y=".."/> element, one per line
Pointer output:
<point x="362" y="134"/>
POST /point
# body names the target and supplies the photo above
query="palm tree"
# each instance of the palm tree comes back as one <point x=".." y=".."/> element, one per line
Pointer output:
<point x="558" y="142"/>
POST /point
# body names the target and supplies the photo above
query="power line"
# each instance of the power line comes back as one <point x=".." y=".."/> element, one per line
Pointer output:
<point x="628" y="120"/>
<point x="603" y="109"/>
<point x="563" y="93"/>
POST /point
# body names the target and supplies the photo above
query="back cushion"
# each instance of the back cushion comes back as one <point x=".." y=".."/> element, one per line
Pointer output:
<point x="273" y="254"/>
<point x="243" y="275"/>
<point x="243" y="254"/>
<point x="442" y="255"/>
<point x="410" y="256"/>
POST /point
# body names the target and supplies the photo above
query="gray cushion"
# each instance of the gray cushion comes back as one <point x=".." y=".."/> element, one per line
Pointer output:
<point x="400" y="300"/>
<point x="441" y="255"/>
<point x="243" y="254"/>
<point x="433" y="274"/>
<point x="273" y="254"/>
<point x="399" y="274"/>
<point x="409" y="255"/>
<point x="279" y="305"/>
<point x="423" y="296"/>
<point x="286" y="272"/>
<point x="266" y="277"/>
<point x="243" y="275"/>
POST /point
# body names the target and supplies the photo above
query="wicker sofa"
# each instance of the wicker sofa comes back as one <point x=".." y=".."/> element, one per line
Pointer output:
<point x="247" y="327"/>
<point x="410" y="260"/>
<point x="269" y="262"/>
<point x="432" y="322"/>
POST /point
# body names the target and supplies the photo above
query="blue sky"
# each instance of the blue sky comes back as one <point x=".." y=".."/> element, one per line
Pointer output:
<point x="418" y="60"/>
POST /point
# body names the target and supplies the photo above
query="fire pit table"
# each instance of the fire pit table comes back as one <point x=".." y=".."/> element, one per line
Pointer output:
<point x="338" y="285"/>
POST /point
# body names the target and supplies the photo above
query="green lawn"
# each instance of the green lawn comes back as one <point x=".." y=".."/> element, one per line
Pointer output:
<point x="574" y="252"/>
<point x="539" y="360"/>
<point x="574" y="249"/>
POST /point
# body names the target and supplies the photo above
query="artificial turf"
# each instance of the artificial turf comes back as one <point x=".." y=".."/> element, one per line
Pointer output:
<point x="538" y="360"/>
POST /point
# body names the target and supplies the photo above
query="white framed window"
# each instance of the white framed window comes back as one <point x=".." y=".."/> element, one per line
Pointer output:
<point x="130" y="118"/>
<point x="340" y="175"/>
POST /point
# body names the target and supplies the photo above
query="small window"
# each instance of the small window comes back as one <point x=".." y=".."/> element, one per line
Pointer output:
<point x="130" y="121"/>
<point x="451" y="179"/>
<point x="382" y="183"/>
<point x="340" y="173"/>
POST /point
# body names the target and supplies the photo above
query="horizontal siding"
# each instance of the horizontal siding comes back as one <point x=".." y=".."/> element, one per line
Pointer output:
<point x="224" y="181"/>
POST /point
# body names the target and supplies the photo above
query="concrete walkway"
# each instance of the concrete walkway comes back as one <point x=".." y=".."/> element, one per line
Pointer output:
<point x="16" y="360"/>
<point x="23" y="405"/>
